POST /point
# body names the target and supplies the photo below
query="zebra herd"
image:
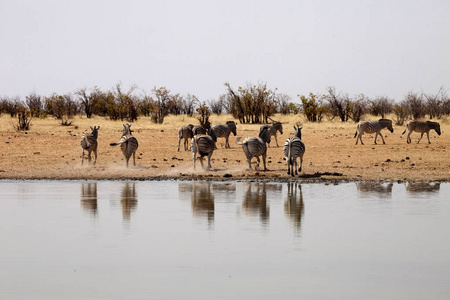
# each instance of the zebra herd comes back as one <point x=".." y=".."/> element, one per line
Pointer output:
<point x="203" y="141"/>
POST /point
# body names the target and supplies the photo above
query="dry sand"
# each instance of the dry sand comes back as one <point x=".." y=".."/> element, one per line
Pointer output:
<point x="52" y="151"/>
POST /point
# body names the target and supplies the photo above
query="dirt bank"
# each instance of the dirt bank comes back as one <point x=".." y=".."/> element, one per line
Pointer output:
<point x="52" y="151"/>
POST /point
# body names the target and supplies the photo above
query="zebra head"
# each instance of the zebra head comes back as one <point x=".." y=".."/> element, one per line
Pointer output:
<point x="279" y="127"/>
<point x="95" y="131"/>
<point x="436" y="126"/>
<point x="264" y="133"/>
<point x="387" y="123"/>
<point x="212" y="134"/>
<point x="298" y="131"/>
<point x="126" y="129"/>
<point x="232" y="126"/>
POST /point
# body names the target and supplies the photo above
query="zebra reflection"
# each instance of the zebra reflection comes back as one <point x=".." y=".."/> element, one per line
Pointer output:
<point x="128" y="200"/>
<point x="202" y="200"/>
<point x="422" y="187"/>
<point x="89" y="197"/>
<point x="255" y="201"/>
<point x="367" y="189"/>
<point x="294" y="207"/>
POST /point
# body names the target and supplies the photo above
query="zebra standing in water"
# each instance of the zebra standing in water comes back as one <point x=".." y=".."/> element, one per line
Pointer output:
<point x="89" y="143"/>
<point x="185" y="133"/>
<point x="203" y="145"/>
<point x="293" y="148"/>
<point x="256" y="146"/>
<point x="371" y="127"/>
<point x="276" y="127"/>
<point x="225" y="130"/>
<point x="422" y="127"/>
<point x="128" y="144"/>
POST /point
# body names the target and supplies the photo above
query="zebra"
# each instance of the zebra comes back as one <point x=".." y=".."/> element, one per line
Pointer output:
<point x="293" y="148"/>
<point x="204" y="145"/>
<point x="128" y="144"/>
<point x="422" y="127"/>
<point x="89" y="143"/>
<point x="198" y="130"/>
<point x="371" y="127"/>
<point x="225" y="130"/>
<point x="277" y="126"/>
<point x="185" y="133"/>
<point x="256" y="146"/>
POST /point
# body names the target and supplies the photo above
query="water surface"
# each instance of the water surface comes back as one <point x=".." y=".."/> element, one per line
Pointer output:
<point x="223" y="240"/>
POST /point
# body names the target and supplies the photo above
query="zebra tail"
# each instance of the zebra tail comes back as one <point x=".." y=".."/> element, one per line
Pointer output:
<point x="238" y="141"/>
<point x="356" y="133"/>
<point x="404" y="132"/>
<point x="115" y="144"/>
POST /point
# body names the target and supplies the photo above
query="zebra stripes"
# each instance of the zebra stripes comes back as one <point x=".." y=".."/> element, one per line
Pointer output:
<point x="421" y="127"/>
<point x="198" y="130"/>
<point x="203" y="145"/>
<point x="276" y="127"/>
<point x="225" y="130"/>
<point x="256" y="146"/>
<point x="293" y="148"/>
<point x="128" y="144"/>
<point x="372" y="127"/>
<point x="185" y="133"/>
<point x="89" y="143"/>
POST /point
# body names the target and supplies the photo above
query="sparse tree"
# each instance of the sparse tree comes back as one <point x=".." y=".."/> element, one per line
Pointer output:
<point x="381" y="106"/>
<point x="34" y="103"/>
<point x="338" y="104"/>
<point x="416" y="105"/>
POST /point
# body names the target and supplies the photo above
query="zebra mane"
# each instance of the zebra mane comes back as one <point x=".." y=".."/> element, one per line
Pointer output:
<point x="433" y="124"/>
<point x="385" y="120"/>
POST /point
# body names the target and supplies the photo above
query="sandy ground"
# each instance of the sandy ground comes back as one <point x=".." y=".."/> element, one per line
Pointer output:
<point x="52" y="151"/>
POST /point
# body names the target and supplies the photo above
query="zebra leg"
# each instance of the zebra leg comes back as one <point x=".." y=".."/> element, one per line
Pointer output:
<point x="82" y="156"/>
<point x="194" y="158"/>
<point x="209" y="161"/>
<point x="295" y="168"/>
<point x="201" y="162"/>
<point x="408" y="138"/>
<point x="301" y="164"/>
<point x="95" y="153"/>
<point x="134" y="158"/>
<point x="421" y="135"/>
<point x="179" y="140"/>
<point x="257" y="162"/>
<point x="89" y="157"/>
<point x="227" y="144"/>
<point x="127" y="158"/>
<point x="428" y="136"/>
<point x="360" y="138"/>
<point x="289" y="165"/>
<point x="249" y="159"/>
<point x="276" y="140"/>
<point x="264" y="161"/>
<point x="382" y="138"/>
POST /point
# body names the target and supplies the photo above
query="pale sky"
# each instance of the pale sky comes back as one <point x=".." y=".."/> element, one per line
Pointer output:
<point x="378" y="48"/>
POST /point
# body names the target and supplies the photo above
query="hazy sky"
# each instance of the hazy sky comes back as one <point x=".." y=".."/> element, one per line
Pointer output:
<point x="193" y="47"/>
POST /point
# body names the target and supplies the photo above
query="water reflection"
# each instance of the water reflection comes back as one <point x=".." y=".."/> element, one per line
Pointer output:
<point x="294" y="207"/>
<point x="89" y="197"/>
<point x="128" y="200"/>
<point x="422" y="187"/>
<point x="374" y="189"/>
<point x="255" y="201"/>
<point x="202" y="201"/>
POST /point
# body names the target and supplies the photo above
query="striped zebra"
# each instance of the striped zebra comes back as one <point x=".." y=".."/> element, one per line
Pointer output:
<point x="128" y="144"/>
<point x="89" y="143"/>
<point x="371" y="127"/>
<point x="276" y="127"/>
<point x="185" y="133"/>
<point x="422" y="127"/>
<point x="293" y="148"/>
<point x="204" y="145"/>
<point x="225" y="130"/>
<point x="256" y="146"/>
